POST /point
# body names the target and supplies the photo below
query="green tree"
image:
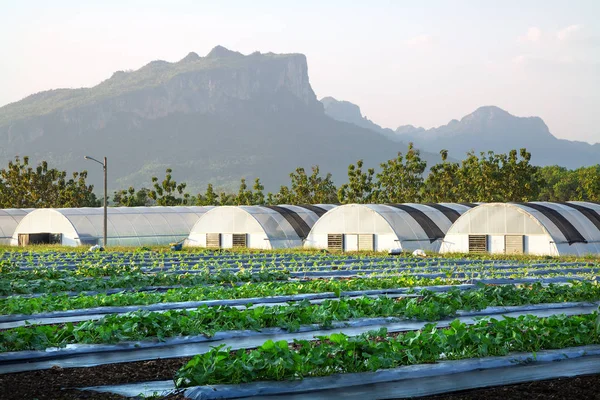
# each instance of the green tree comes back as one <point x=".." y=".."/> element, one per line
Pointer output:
<point x="131" y="198"/>
<point x="478" y="177"/>
<point x="22" y="186"/>
<point x="442" y="182"/>
<point x="360" y="186"/>
<point x="259" y="195"/>
<point x="589" y="183"/>
<point x="519" y="177"/>
<point x="165" y="193"/>
<point x="401" y="178"/>
<point x="284" y="196"/>
<point x="245" y="197"/>
<point x="306" y="189"/>
<point x="556" y="183"/>
<point x="271" y="199"/>
<point x="497" y="177"/>
<point x="210" y="197"/>
<point x="226" y="199"/>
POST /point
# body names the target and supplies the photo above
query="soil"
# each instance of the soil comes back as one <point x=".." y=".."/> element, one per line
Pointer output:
<point x="580" y="388"/>
<point x="60" y="383"/>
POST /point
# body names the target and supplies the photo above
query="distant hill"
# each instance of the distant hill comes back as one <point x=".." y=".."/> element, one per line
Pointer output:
<point x="348" y="112"/>
<point x="491" y="128"/>
<point x="212" y="119"/>
<point x="487" y="128"/>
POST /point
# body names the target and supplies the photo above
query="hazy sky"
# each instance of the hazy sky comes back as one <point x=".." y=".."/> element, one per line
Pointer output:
<point x="404" y="62"/>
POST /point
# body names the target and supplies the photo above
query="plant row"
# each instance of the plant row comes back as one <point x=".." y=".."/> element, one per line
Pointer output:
<point x="205" y="320"/>
<point x="269" y="259"/>
<point x="10" y="272"/>
<point x="63" y="302"/>
<point x="132" y="279"/>
<point x="338" y="353"/>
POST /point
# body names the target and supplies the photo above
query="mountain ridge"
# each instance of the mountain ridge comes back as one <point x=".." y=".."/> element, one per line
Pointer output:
<point x="151" y="75"/>
<point x="487" y="128"/>
<point x="212" y="119"/>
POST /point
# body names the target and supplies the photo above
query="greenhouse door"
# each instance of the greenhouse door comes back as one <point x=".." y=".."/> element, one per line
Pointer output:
<point x="226" y="240"/>
<point x="350" y="242"/>
<point x="26" y="239"/>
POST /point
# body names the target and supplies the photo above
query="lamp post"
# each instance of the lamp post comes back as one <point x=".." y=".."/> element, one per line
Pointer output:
<point x="105" y="196"/>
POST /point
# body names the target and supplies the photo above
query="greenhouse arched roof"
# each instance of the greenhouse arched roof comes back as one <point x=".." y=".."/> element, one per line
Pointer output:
<point x="279" y="226"/>
<point x="9" y="219"/>
<point x="571" y="227"/>
<point x="127" y="226"/>
<point x="411" y="225"/>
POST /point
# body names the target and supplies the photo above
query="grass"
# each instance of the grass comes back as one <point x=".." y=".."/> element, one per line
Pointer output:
<point x="593" y="258"/>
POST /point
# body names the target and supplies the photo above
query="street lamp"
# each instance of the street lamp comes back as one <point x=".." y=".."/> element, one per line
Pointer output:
<point x="105" y="195"/>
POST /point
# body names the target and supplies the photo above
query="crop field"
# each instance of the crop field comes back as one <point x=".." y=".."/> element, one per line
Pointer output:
<point x="275" y="325"/>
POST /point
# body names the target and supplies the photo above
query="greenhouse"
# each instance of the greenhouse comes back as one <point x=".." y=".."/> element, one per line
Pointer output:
<point x="9" y="219"/>
<point x="380" y="227"/>
<point x="256" y="227"/>
<point x="127" y="226"/>
<point x="539" y="228"/>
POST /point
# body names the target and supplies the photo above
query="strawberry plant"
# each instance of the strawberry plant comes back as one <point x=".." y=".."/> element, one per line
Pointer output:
<point x="338" y="353"/>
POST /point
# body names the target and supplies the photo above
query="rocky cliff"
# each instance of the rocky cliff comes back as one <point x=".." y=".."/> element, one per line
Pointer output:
<point x="212" y="119"/>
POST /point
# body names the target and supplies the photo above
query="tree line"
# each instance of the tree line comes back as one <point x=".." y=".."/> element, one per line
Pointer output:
<point x="483" y="177"/>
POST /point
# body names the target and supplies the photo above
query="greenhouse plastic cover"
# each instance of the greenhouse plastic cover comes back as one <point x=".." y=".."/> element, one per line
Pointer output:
<point x="9" y="219"/>
<point x="573" y="227"/>
<point x="127" y="226"/>
<point x="258" y="220"/>
<point x="405" y="221"/>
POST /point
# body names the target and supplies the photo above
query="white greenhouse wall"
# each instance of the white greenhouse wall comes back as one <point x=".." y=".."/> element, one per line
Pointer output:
<point x="541" y="235"/>
<point x="392" y="228"/>
<point x="352" y="220"/>
<point x="47" y="220"/>
<point x="265" y="228"/>
<point x="226" y="221"/>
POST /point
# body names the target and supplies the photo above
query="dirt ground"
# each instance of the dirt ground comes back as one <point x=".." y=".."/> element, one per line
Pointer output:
<point x="59" y="383"/>
<point x="580" y="388"/>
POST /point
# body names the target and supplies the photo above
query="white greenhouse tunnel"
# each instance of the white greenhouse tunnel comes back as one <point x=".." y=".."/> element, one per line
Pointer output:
<point x="127" y="226"/>
<point x="256" y="227"/>
<point x="380" y="227"/>
<point x="9" y="219"/>
<point x="537" y="228"/>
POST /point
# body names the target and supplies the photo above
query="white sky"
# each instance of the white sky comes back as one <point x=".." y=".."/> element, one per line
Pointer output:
<point x="403" y="62"/>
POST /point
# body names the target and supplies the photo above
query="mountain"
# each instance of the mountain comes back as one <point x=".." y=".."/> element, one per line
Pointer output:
<point x="345" y="111"/>
<point x="487" y="128"/>
<point x="491" y="128"/>
<point x="212" y="119"/>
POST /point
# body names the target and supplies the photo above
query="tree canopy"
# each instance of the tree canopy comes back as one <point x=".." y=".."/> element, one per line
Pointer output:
<point x="483" y="177"/>
<point x="23" y="186"/>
